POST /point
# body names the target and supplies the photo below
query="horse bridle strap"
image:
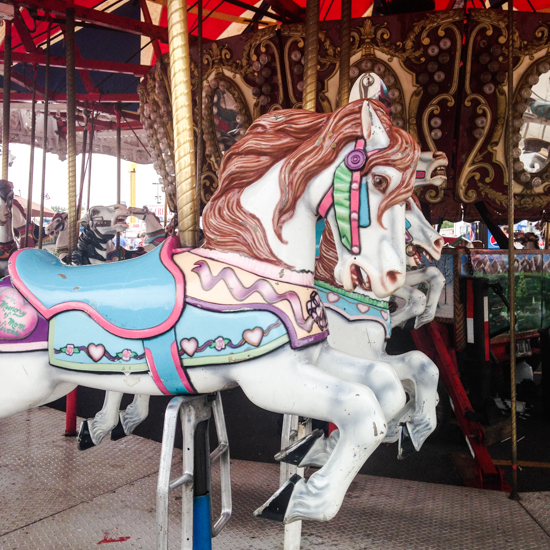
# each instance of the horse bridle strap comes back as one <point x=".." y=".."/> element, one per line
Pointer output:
<point x="349" y="197"/>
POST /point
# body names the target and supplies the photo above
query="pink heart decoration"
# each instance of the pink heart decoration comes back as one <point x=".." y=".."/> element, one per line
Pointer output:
<point x="189" y="346"/>
<point x="17" y="317"/>
<point x="385" y="315"/>
<point x="254" y="336"/>
<point x="363" y="308"/>
<point x="96" y="352"/>
<point x="332" y="297"/>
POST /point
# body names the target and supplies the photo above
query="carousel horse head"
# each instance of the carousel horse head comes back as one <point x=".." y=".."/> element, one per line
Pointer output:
<point x="59" y="223"/>
<point x="6" y="201"/>
<point x="420" y="236"/>
<point x="107" y="220"/>
<point x="431" y="169"/>
<point x="352" y="166"/>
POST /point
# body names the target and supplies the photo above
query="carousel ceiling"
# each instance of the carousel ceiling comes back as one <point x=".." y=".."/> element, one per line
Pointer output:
<point x="442" y="75"/>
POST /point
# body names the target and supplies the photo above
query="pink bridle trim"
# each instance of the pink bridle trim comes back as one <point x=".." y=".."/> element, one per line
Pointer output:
<point x="166" y="258"/>
<point x="177" y="364"/>
<point x="154" y="373"/>
<point x="326" y="203"/>
<point x="354" y="208"/>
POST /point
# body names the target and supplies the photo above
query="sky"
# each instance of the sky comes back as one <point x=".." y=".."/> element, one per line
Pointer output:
<point x="103" y="186"/>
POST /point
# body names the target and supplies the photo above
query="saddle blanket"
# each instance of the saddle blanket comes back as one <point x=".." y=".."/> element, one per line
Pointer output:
<point x="354" y="306"/>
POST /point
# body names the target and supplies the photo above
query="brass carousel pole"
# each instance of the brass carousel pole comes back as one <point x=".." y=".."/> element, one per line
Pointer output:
<point x="6" y="102"/>
<point x="311" y="55"/>
<point x="45" y="138"/>
<point x="511" y="252"/>
<point x="345" y="53"/>
<point x="31" y="162"/>
<point x="200" y="144"/>
<point x="182" y="107"/>
<point x="70" y="415"/>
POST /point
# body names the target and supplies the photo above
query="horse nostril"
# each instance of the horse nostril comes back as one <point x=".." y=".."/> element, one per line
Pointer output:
<point x="393" y="277"/>
<point x="439" y="243"/>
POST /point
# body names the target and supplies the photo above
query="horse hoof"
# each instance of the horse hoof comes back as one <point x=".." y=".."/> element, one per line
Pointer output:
<point x="275" y="508"/>
<point x="406" y="447"/>
<point x="118" y="432"/>
<point x="295" y="453"/>
<point x="84" y="440"/>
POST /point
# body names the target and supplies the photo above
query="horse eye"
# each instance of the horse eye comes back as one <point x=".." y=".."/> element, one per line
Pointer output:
<point x="408" y="206"/>
<point x="381" y="183"/>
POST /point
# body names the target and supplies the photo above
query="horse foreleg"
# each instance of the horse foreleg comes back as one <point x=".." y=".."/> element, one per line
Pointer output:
<point x="415" y="304"/>
<point x="93" y="430"/>
<point x="436" y="284"/>
<point x="136" y="412"/>
<point x="288" y="381"/>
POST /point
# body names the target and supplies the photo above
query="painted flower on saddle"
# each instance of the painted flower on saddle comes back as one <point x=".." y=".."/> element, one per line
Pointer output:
<point x="69" y="350"/>
<point x="220" y="343"/>
<point x="126" y="355"/>
<point x="316" y="310"/>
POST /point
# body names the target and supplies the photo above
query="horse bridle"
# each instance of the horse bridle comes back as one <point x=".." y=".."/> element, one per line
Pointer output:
<point x="349" y="196"/>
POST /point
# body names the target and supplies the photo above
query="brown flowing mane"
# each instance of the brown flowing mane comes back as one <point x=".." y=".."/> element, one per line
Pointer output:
<point x="307" y="143"/>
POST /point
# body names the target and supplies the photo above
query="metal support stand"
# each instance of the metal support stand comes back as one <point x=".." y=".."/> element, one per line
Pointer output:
<point x="197" y="528"/>
<point x="293" y="430"/>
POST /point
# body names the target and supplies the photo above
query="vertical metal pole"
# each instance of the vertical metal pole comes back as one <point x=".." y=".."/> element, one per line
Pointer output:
<point x="6" y="102"/>
<point x="82" y="166"/>
<point x="31" y="163"/>
<point x="511" y="251"/>
<point x="200" y="144"/>
<point x="132" y="170"/>
<point x="45" y="139"/>
<point x="345" y="53"/>
<point x="311" y="56"/>
<point x="118" y="170"/>
<point x="71" y="125"/>
<point x="90" y="158"/>
<point x="182" y="107"/>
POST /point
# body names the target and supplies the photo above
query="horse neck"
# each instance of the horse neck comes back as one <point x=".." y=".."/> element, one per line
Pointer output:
<point x="63" y="238"/>
<point x="6" y="232"/>
<point x="261" y="199"/>
<point x="151" y="223"/>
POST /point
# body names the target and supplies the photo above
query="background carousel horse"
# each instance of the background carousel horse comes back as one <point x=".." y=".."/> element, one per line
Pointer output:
<point x="20" y="225"/>
<point x="363" y="330"/>
<point x="7" y="238"/>
<point x="248" y="294"/>
<point x="101" y="224"/>
<point x="59" y="225"/>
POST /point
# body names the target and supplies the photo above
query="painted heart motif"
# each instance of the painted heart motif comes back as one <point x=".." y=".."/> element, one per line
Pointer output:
<point x="96" y="352"/>
<point x="254" y="336"/>
<point x="363" y="308"/>
<point x="385" y="315"/>
<point x="189" y="346"/>
<point x="332" y="297"/>
<point x="17" y="317"/>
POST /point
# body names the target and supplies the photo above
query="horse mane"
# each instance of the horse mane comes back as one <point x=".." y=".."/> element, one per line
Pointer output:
<point x="328" y="258"/>
<point x="307" y="144"/>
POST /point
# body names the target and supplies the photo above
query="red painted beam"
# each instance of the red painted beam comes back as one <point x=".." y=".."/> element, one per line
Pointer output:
<point x="288" y="9"/>
<point x="95" y="99"/>
<point x="24" y="33"/>
<point x="85" y="64"/>
<point x="101" y="18"/>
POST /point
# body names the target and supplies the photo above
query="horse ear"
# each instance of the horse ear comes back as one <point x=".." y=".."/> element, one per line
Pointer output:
<point x="373" y="131"/>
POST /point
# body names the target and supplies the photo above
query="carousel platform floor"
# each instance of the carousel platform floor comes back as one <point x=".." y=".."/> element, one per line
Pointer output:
<point x="54" y="497"/>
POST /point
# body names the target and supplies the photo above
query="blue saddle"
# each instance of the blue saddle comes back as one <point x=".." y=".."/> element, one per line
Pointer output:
<point x="138" y="298"/>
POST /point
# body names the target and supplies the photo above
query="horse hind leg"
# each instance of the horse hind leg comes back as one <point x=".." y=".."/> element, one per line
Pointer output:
<point x="136" y="412"/>
<point x="93" y="430"/>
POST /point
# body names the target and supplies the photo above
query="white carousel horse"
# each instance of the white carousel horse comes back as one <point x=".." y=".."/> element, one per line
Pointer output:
<point x="59" y="225"/>
<point x="155" y="233"/>
<point x="421" y="238"/>
<point x="20" y="227"/>
<point x="243" y="310"/>
<point x="7" y="238"/>
<point x="361" y="326"/>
